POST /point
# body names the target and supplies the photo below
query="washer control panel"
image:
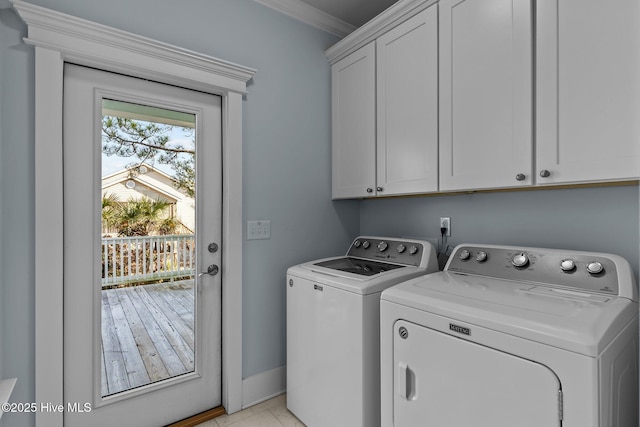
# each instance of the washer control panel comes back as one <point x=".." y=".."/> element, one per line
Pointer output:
<point x="582" y="270"/>
<point x="394" y="251"/>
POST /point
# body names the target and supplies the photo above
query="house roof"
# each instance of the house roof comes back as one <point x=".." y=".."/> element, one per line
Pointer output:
<point x="153" y="179"/>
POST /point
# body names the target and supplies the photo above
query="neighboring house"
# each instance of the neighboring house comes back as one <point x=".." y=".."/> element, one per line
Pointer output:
<point x="147" y="181"/>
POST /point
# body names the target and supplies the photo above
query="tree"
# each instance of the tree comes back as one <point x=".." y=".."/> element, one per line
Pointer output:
<point x="137" y="217"/>
<point x="149" y="142"/>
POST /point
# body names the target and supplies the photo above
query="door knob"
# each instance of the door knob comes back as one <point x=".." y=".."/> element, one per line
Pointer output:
<point x="213" y="247"/>
<point x="212" y="270"/>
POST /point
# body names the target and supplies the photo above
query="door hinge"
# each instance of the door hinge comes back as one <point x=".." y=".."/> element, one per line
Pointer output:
<point x="560" y="405"/>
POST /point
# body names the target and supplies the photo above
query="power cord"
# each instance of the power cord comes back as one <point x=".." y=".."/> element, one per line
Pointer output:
<point x="442" y="241"/>
<point x="442" y="248"/>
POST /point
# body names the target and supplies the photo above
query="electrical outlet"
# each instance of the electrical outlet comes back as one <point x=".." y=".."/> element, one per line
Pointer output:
<point x="257" y="230"/>
<point x="445" y="222"/>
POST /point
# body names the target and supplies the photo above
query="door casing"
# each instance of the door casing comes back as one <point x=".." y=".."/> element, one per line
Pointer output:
<point x="60" y="38"/>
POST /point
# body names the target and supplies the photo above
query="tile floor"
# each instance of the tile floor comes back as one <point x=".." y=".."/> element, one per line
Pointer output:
<point x="271" y="413"/>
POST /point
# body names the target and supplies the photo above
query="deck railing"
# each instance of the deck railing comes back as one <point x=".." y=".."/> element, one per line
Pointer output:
<point x="146" y="258"/>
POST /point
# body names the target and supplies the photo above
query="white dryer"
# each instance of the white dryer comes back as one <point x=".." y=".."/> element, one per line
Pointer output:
<point x="333" y="328"/>
<point x="508" y="336"/>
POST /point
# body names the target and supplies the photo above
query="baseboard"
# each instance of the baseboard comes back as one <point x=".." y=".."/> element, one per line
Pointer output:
<point x="263" y="386"/>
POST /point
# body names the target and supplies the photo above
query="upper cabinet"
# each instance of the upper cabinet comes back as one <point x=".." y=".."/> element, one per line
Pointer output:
<point x="587" y="91"/>
<point x="407" y="115"/>
<point x="385" y="113"/>
<point x="457" y="95"/>
<point x="485" y="94"/>
<point x="353" y="115"/>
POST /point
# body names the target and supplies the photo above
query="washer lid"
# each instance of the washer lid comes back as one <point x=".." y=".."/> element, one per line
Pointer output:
<point x="582" y="322"/>
<point x="352" y="282"/>
<point x="362" y="267"/>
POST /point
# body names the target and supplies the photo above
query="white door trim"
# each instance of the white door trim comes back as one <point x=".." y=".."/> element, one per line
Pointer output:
<point x="60" y="38"/>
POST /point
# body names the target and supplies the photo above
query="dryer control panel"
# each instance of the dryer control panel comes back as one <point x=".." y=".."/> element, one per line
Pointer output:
<point x="583" y="271"/>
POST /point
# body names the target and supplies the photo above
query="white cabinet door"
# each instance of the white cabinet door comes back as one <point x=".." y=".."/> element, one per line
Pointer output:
<point x="485" y="94"/>
<point x="353" y="124"/>
<point x="588" y="90"/>
<point x="407" y="116"/>
<point x="441" y="380"/>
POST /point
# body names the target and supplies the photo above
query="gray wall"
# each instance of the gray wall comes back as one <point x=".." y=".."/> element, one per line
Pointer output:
<point x="286" y="160"/>
<point x="16" y="211"/>
<point x="587" y="219"/>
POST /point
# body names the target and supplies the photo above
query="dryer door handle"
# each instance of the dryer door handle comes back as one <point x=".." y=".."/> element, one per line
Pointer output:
<point x="403" y="380"/>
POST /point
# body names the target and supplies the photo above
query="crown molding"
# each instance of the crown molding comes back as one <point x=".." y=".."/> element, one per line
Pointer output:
<point x="98" y="45"/>
<point x="390" y="18"/>
<point x="310" y="15"/>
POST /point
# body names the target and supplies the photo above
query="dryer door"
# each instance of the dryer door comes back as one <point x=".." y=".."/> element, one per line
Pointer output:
<point x="443" y="380"/>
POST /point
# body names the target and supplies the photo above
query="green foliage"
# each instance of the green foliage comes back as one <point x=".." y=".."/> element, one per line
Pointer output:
<point x="141" y="217"/>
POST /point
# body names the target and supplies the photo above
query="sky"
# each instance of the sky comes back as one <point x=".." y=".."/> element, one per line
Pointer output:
<point x="112" y="164"/>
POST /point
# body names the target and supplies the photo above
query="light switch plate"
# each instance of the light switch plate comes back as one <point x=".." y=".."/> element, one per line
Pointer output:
<point x="257" y="230"/>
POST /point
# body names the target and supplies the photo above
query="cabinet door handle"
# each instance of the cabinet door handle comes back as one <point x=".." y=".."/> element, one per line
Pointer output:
<point x="369" y="190"/>
<point x="379" y="188"/>
<point x="545" y="173"/>
<point x="521" y="177"/>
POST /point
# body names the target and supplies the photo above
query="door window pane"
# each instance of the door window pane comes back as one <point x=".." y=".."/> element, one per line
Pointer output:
<point x="148" y="245"/>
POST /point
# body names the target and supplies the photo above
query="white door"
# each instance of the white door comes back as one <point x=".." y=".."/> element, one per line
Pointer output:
<point x="353" y="120"/>
<point x="442" y="380"/>
<point x="142" y="332"/>
<point x="407" y="91"/>
<point x="485" y="93"/>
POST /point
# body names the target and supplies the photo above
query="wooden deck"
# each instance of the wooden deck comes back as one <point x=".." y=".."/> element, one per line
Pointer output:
<point x="147" y="334"/>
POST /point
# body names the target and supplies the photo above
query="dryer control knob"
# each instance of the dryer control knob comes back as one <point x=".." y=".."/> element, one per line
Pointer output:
<point x="382" y="246"/>
<point x="366" y="244"/>
<point x="520" y="260"/>
<point x="568" y="265"/>
<point x="595" y="267"/>
<point x="357" y="244"/>
<point x="401" y="248"/>
<point x="464" y="254"/>
<point x="413" y="250"/>
<point x="481" y="256"/>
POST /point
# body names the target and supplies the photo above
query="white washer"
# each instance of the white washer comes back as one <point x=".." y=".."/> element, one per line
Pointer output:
<point x="508" y="336"/>
<point x="333" y="328"/>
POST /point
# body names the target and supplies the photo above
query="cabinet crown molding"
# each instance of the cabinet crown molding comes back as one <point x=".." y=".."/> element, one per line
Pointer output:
<point x="393" y="16"/>
<point x="310" y="15"/>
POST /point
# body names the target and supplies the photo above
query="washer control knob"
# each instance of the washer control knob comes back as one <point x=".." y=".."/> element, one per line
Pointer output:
<point x="520" y="260"/>
<point x="595" y="267"/>
<point x="481" y="256"/>
<point x="357" y="244"/>
<point x="568" y="265"/>
<point x="366" y="244"/>
<point x="401" y="248"/>
<point x="413" y="250"/>
<point x="382" y="246"/>
<point x="464" y="254"/>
